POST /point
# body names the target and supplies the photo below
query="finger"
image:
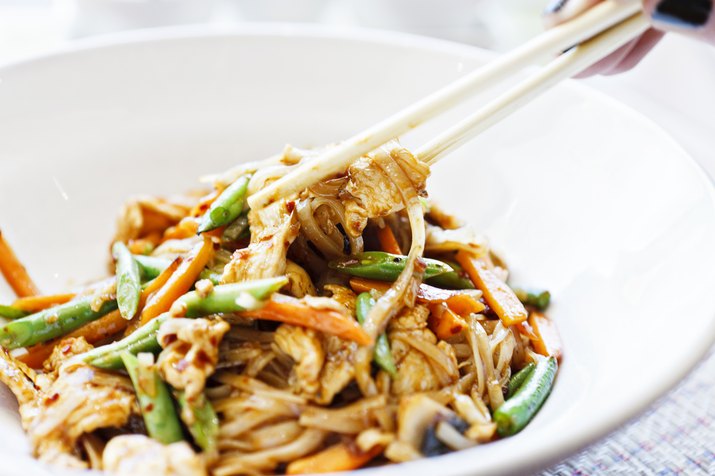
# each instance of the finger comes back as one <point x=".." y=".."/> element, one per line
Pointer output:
<point x="558" y="11"/>
<point x="610" y="62"/>
<point x="643" y="46"/>
<point x="691" y="17"/>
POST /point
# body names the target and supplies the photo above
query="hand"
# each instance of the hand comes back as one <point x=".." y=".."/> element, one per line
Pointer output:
<point x="693" y="17"/>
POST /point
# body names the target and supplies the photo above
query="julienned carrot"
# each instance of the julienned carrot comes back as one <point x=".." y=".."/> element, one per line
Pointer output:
<point x="93" y="332"/>
<point x="460" y="302"/>
<point x="38" y="303"/>
<point x="387" y="240"/>
<point x="157" y="283"/>
<point x="186" y="228"/>
<point x="14" y="272"/>
<point x="464" y="304"/>
<point x="525" y="329"/>
<point x="180" y="281"/>
<point x="142" y="246"/>
<point x="298" y="313"/>
<point x="444" y="322"/>
<point x="339" y="457"/>
<point x="497" y="294"/>
<point x="546" y="339"/>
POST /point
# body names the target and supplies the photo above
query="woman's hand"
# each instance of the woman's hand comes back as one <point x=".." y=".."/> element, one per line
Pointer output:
<point x="693" y="17"/>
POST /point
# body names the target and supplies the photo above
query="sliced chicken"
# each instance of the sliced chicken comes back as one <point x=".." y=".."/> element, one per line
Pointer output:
<point x="190" y="352"/>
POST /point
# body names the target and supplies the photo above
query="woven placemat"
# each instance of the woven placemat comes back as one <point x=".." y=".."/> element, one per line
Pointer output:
<point x="676" y="436"/>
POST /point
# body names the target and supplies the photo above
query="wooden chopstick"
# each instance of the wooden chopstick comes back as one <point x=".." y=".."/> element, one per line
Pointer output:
<point x="337" y="159"/>
<point x="564" y="66"/>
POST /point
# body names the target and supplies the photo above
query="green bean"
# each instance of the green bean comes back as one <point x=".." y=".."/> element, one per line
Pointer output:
<point x="538" y="299"/>
<point x="518" y="378"/>
<point x="9" y="312"/>
<point x="227" y="297"/>
<point x="518" y="410"/>
<point x="456" y="279"/>
<point x="154" y="398"/>
<point x="151" y="266"/>
<point x="129" y="287"/>
<point x="385" y="266"/>
<point x="141" y="340"/>
<point x="221" y="300"/>
<point x="382" y="353"/>
<point x="53" y="322"/>
<point x="227" y="207"/>
<point x="204" y="422"/>
<point x="238" y="229"/>
<point x="215" y="278"/>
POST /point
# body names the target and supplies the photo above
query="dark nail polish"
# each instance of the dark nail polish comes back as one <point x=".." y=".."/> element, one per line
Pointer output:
<point x="686" y="13"/>
<point x="555" y="6"/>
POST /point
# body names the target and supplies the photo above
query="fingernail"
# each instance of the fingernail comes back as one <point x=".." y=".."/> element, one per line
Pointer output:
<point x="683" y="13"/>
<point x="555" y="6"/>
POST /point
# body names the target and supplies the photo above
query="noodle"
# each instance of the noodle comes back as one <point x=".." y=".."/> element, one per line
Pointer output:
<point x="299" y="343"/>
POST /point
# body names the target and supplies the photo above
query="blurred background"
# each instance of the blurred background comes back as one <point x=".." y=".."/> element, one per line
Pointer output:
<point x="26" y="25"/>
<point x="673" y="86"/>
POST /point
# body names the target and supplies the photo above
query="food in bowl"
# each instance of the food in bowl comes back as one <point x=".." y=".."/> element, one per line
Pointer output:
<point x="354" y="323"/>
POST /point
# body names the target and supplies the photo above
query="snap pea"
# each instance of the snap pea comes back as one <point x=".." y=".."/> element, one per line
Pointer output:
<point x="129" y="287"/>
<point x="382" y="353"/>
<point x="538" y="299"/>
<point x="204" y="423"/>
<point x="53" y="322"/>
<point x="456" y="279"/>
<point x="226" y="297"/>
<point x="518" y="378"/>
<point x="384" y="266"/>
<point x="141" y="340"/>
<point x="227" y="207"/>
<point x="9" y="312"/>
<point x="154" y="398"/>
<point x="518" y="410"/>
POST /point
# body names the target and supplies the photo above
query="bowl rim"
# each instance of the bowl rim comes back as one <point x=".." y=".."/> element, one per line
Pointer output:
<point x="460" y="460"/>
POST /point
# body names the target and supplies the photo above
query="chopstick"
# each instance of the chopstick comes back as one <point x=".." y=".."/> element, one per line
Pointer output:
<point x="598" y="19"/>
<point x="566" y="65"/>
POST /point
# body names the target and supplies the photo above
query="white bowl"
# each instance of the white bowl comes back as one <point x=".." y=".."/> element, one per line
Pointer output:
<point x="584" y="196"/>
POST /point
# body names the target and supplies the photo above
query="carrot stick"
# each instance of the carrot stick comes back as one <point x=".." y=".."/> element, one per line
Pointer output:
<point x="141" y="246"/>
<point x="364" y="285"/>
<point x="39" y="303"/>
<point x="525" y="329"/>
<point x="546" y="339"/>
<point x="298" y="313"/>
<point x="464" y="304"/>
<point x="460" y="302"/>
<point x="186" y="228"/>
<point x="340" y="457"/>
<point x="497" y="294"/>
<point x="14" y="272"/>
<point x="180" y="281"/>
<point x="387" y="240"/>
<point x="444" y="322"/>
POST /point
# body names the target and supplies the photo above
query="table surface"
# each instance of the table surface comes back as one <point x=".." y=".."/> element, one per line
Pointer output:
<point x="674" y="87"/>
